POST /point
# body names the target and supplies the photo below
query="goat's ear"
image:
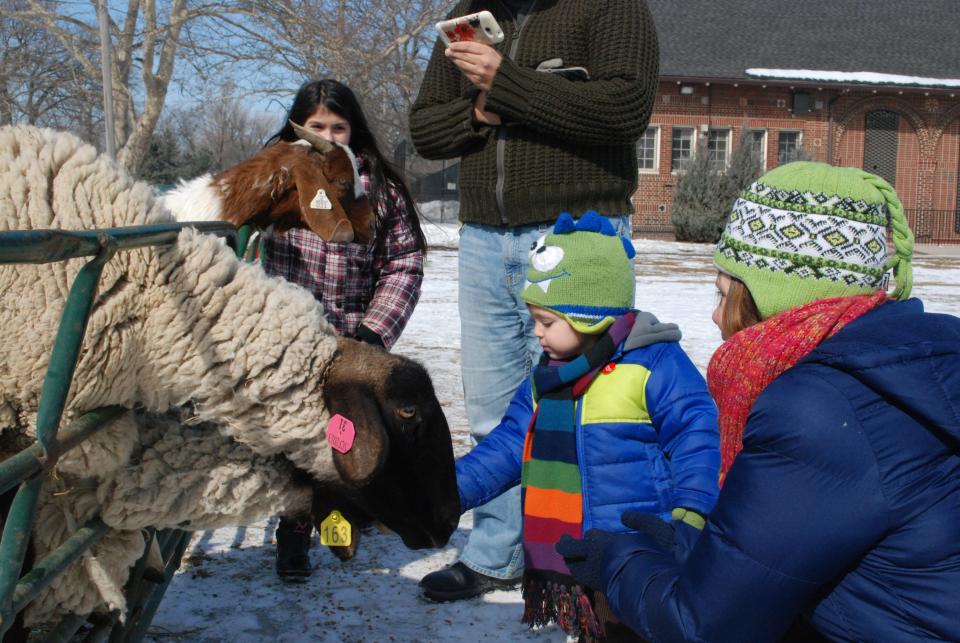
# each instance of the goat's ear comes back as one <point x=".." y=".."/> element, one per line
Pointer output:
<point x="322" y="211"/>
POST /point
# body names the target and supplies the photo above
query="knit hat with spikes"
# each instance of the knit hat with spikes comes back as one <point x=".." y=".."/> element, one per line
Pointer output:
<point x="582" y="272"/>
<point x="806" y="231"/>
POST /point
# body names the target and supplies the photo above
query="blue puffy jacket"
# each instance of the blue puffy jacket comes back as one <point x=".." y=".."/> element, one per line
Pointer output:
<point x="842" y="508"/>
<point x="646" y="435"/>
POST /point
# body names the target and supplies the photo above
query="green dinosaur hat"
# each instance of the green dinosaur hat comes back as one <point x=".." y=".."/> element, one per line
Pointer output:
<point x="806" y="231"/>
<point x="582" y="272"/>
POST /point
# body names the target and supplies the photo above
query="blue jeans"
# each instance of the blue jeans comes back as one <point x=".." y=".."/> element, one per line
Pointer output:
<point x="497" y="351"/>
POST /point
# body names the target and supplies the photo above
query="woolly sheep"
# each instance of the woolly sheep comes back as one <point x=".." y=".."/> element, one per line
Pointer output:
<point x="251" y="354"/>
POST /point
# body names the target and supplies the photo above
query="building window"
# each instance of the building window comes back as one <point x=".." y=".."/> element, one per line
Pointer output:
<point x="718" y="147"/>
<point x="681" y="149"/>
<point x="788" y="147"/>
<point x="648" y="150"/>
<point x="757" y="140"/>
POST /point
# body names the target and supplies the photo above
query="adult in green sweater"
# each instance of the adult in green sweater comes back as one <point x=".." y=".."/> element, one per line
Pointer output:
<point x="536" y="137"/>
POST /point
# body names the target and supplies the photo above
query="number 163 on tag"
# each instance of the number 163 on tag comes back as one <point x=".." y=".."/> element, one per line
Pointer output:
<point x="335" y="530"/>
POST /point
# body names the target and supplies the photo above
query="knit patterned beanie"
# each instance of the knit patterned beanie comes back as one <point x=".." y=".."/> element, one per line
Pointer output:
<point x="806" y="231"/>
<point x="582" y="272"/>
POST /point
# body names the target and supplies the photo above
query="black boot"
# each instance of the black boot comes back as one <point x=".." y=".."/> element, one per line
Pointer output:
<point x="458" y="582"/>
<point x="293" y="549"/>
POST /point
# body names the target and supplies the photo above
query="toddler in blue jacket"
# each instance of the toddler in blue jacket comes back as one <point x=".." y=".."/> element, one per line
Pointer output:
<point x="615" y="417"/>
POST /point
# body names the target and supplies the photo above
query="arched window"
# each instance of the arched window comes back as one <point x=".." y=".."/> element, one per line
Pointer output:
<point x="880" y="140"/>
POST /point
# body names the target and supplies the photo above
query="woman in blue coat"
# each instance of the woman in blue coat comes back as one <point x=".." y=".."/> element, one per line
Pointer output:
<point x="840" y="438"/>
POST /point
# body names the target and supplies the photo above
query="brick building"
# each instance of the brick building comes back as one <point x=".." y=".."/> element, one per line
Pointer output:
<point x="866" y="83"/>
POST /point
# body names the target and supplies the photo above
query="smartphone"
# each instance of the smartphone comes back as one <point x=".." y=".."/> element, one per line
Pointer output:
<point x="479" y="27"/>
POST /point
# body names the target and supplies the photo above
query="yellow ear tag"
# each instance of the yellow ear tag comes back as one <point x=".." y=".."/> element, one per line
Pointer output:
<point x="335" y="530"/>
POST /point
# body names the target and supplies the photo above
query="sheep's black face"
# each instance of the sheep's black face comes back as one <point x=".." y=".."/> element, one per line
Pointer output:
<point x="416" y="494"/>
<point x="401" y="470"/>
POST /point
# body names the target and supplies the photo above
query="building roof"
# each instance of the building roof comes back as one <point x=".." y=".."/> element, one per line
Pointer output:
<point x="724" y="38"/>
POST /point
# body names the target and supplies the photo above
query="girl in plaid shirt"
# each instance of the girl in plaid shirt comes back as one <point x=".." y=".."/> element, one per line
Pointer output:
<point x="368" y="291"/>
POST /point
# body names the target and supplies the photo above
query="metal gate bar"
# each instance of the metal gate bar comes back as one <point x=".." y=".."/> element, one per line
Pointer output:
<point x="28" y="462"/>
<point x="47" y="246"/>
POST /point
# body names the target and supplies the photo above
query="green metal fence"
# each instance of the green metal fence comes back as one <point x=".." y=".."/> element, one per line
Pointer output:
<point x="28" y="468"/>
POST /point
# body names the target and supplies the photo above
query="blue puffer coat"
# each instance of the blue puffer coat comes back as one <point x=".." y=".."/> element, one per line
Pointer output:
<point x="646" y="437"/>
<point x="843" y="507"/>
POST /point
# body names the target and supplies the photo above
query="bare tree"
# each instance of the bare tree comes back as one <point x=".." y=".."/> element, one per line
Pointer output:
<point x="208" y="135"/>
<point x="378" y="47"/>
<point x="145" y="47"/>
<point x="39" y="83"/>
<point x="227" y="128"/>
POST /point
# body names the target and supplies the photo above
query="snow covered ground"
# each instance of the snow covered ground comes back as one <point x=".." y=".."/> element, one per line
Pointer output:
<point x="226" y="589"/>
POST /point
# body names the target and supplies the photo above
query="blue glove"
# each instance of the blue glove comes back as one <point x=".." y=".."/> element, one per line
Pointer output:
<point x="651" y="525"/>
<point x="684" y="537"/>
<point x="687" y="525"/>
<point x="678" y="537"/>
<point x="584" y="557"/>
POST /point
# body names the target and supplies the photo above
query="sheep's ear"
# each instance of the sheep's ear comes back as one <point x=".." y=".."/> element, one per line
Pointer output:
<point x="346" y="393"/>
<point x="322" y="212"/>
<point x="370" y="445"/>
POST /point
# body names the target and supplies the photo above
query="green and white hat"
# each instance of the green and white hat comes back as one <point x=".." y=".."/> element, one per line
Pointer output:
<point x="806" y="231"/>
<point x="582" y="272"/>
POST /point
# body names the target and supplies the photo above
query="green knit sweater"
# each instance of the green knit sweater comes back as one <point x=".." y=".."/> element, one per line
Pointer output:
<point x="565" y="145"/>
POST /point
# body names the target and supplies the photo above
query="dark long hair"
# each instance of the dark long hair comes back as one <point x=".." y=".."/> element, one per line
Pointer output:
<point x="339" y="99"/>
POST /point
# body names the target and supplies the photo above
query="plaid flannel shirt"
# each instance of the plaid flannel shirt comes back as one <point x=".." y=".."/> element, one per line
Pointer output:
<point x="377" y="284"/>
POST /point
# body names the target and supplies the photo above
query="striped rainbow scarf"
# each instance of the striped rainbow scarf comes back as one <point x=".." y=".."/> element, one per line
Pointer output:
<point x="551" y="487"/>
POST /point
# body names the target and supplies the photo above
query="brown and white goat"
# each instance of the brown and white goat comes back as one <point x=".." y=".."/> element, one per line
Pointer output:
<point x="308" y="183"/>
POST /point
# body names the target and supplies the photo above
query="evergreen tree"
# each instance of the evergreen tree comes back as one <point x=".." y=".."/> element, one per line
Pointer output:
<point x="165" y="163"/>
<point x="694" y="214"/>
<point x="746" y="166"/>
<point x="705" y="194"/>
<point x="159" y="165"/>
<point x="193" y="164"/>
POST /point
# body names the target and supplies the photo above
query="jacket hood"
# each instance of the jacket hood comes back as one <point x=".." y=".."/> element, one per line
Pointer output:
<point x="647" y="329"/>
<point x="909" y="357"/>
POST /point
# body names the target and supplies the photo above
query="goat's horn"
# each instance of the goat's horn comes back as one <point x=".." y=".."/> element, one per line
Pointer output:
<point x="321" y="144"/>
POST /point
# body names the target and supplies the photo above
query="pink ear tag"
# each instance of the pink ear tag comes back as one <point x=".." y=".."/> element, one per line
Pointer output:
<point x="340" y="433"/>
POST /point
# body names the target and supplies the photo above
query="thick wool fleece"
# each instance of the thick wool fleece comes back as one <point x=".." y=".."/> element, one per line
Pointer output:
<point x="95" y="582"/>
<point x="187" y="322"/>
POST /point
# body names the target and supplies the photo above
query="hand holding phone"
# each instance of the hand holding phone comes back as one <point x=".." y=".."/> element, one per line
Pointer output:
<point x="479" y="63"/>
<point x="479" y="27"/>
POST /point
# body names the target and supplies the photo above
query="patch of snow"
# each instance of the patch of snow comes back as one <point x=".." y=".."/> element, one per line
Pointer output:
<point x="227" y="590"/>
<point x="866" y="77"/>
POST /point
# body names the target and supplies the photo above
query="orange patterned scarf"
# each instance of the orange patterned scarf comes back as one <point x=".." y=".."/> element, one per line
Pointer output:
<point x="745" y="364"/>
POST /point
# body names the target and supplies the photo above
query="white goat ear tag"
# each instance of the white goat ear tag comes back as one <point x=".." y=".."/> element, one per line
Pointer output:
<point x="321" y="201"/>
<point x="335" y="530"/>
